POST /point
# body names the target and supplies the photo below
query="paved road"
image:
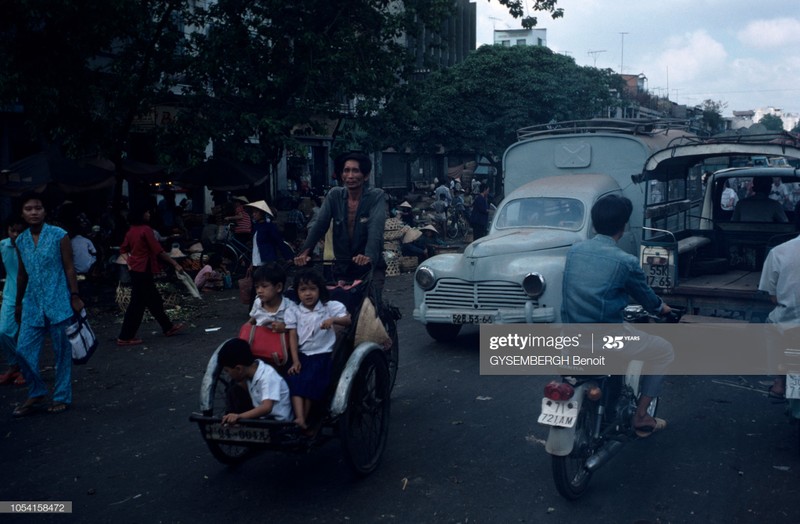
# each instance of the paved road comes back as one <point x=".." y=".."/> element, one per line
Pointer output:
<point x="462" y="448"/>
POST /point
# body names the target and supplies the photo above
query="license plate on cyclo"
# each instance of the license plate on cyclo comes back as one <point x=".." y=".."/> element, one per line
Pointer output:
<point x="559" y="413"/>
<point x="243" y="434"/>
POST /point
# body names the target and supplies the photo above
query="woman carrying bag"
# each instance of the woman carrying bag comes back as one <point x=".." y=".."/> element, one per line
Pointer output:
<point x="47" y="299"/>
<point x="144" y="253"/>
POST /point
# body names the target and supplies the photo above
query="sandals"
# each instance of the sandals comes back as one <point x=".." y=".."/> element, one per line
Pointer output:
<point x="30" y="406"/>
<point x="57" y="407"/>
<point x="9" y="377"/>
<point x="131" y="342"/>
<point x="646" y="431"/>
<point x="174" y="329"/>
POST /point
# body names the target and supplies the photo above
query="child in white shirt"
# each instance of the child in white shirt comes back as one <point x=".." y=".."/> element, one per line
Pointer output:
<point x="269" y="393"/>
<point x="310" y="332"/>
<point x="270" y="308"/>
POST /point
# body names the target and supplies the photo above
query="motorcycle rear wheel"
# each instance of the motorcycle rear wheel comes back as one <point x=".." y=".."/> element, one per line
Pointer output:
<point x="569" y="472"/>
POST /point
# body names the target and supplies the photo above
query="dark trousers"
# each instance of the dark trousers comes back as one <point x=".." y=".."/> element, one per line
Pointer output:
<point x="144" y="294"/>
<point x="478" y="231"/>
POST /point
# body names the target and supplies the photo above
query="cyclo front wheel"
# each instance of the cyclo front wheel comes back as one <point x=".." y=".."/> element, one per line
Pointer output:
<point x="569" y="472"/>
<point x="364" y="425"/>
<point x="230" y="454"/>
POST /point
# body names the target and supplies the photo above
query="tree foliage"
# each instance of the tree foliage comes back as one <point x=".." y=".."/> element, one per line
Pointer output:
<point x="713" y="122"/>
<point x="251" y="71"/>
<point x="519" y="9"/>
<point x="772" y="122"/>
<point x="478" y="106"/>
<point x="83" y="71"/>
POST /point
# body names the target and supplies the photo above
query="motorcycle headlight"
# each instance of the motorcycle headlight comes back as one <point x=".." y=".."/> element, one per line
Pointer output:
<point x="533" y="284"/>
<point x="424" y="277"/>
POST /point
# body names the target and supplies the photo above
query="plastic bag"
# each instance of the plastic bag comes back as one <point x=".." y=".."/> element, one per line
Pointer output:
<point x="82" y="339"/>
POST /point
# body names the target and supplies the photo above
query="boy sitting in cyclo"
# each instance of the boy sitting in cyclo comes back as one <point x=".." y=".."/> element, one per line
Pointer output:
<point x="267" y="391"/>
<point x="270" y="308"/>
<point x="311" y="341"/>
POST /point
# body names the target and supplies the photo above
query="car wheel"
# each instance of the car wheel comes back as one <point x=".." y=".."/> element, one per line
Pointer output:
<point x="443" y="332"/>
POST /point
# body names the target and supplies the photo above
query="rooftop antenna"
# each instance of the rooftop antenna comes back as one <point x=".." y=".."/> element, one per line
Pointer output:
<point x="593" y="53"/>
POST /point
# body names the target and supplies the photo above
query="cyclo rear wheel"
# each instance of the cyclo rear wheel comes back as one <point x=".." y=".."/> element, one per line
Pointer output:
<point x="569" y="472"/>
<point x="230" y="454"/>
<point x="364" y="425"/>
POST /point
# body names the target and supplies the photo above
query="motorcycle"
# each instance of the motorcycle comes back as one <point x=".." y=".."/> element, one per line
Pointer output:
<point x="589" y="417"/>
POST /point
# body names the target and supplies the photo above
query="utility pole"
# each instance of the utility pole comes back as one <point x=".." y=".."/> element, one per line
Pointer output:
<point x="622" y="51"/>
<point x="593" y="53"/>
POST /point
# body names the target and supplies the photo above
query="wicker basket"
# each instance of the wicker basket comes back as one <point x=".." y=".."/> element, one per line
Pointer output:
<point x="123" y="297"/>
<point x="392" y="247"/>
<point x="408" y="264"/>
<point x="393" y="267"/>
<point x="170" y="298"/>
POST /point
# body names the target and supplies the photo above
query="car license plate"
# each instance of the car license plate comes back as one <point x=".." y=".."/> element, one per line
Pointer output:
<point x="560" y="413"/>
<point x="237" y="434"/>
<point x="793" y="385"/>
<point x="468" y="318"/>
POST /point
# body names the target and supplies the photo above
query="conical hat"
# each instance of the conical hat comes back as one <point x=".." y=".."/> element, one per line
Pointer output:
<point x="262" y="205"/>
<point x="241" y="198"/>
<point x="405" y="204"/>
<point x="176" y="252"/>
<point x="411" y="235"/>
<point x="429" y="228"/>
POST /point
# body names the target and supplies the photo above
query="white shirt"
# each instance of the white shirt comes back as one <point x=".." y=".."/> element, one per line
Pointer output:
<point x="729" y="199"/>
<point x="781" y="279"/>
<point x="83" y="253"/>
<point x="267" y="384"/>
<point x="265" y="318"/>
<point x="256" y="255"/>
<point x="311" y="337"/>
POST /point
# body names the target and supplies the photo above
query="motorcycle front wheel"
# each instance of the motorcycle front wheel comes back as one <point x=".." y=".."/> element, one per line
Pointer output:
<point x="569" y="472"/>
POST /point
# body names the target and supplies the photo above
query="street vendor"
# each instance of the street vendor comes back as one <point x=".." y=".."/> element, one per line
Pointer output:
<point x="421" y="243"/>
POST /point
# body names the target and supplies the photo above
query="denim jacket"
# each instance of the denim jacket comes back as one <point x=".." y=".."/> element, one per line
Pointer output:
<point x="599" y="278"/>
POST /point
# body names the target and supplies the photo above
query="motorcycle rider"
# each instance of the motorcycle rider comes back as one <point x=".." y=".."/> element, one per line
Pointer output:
<point x="598" y="279"/>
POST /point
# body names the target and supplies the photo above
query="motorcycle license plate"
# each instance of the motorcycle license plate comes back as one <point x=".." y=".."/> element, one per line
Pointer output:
<point x="236" y="434"/>
<point x="793" y="385"/>
<point x="560" y="413"/>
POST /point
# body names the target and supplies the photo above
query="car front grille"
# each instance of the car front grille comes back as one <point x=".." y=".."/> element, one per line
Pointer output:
<point x="460" y="294"/>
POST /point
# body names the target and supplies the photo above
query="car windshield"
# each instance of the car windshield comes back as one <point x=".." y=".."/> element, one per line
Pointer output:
<point x="561" y="213"/>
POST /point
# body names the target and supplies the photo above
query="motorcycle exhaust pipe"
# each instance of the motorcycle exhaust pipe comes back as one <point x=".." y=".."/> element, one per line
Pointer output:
<point x="609" y="449"/>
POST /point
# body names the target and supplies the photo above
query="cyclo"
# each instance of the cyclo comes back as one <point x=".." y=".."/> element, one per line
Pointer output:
<point x="357" y="403"/>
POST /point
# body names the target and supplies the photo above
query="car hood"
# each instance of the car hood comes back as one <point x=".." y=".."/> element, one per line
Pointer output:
<point x="521" y="241"/>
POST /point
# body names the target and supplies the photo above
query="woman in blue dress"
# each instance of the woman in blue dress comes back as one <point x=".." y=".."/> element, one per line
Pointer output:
<point x="47" y="299"/>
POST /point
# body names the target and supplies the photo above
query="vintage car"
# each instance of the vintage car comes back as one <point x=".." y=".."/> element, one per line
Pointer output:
<point x="553" y="176"/>
<point x="512" y="275"/>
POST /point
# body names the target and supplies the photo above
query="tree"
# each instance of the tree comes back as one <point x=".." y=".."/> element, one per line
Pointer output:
<point x="517" y="10"/>
<point x="713" y="122"/>
<point x="249" y="73"/>
<point x="83" y="72"/>
<point x="478" y="106"/>
<point x="772" y="122"/>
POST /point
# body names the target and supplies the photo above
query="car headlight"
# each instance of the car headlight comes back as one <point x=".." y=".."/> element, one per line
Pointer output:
<point x="424" y="277"/>
<point x="534" y="285"/>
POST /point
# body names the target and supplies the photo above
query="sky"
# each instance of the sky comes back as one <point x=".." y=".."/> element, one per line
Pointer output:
<point x="744" y="53"/>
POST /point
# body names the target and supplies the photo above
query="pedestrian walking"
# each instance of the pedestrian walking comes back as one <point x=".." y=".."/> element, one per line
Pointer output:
<point x="144" y="253"/>
<point x="47" y="300"/>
